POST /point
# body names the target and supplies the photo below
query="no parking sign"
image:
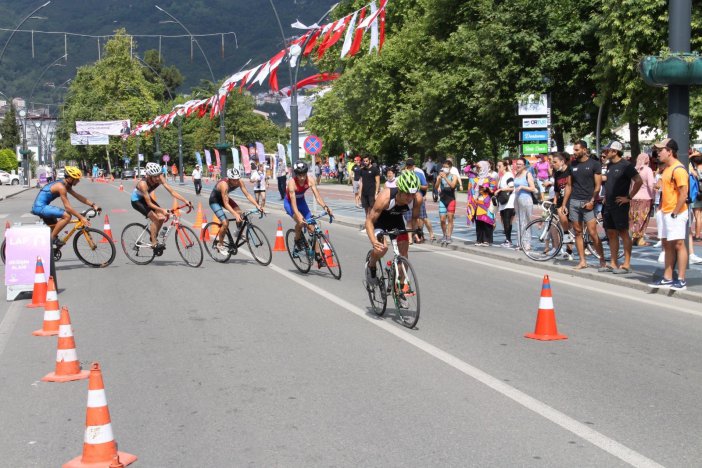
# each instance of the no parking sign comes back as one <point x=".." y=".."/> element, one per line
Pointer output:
<point x="312" y="144"/>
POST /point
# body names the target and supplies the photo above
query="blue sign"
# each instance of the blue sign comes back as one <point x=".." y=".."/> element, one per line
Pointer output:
<point x="312" y="144"/>
<point x="537" y="135"/>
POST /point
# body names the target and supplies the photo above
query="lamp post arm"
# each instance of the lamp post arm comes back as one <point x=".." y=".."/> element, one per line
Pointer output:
<point x="2" y="54"/>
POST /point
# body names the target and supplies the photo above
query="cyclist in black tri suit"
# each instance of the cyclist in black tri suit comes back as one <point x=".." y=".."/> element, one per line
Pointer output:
<point x="144" y="204"/>
<point x="219" y="201"/>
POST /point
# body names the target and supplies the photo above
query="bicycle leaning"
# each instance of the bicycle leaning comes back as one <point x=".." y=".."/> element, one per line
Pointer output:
<point x="92" y="246"/>
<point x="136" y="240"/>
<point x="247" y="233"/>
<point x="396" y="278"/>
<point x="542" y="238"/>
<point x="315" y="246"/>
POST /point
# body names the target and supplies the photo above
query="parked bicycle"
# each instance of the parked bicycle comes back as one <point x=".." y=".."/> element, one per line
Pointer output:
<point x="315" y="246"/>
<point x="136" y="240"/>
<point x="247" y="233"/>
<point x="542" y="238"/>
<point x="92" y="246"/>
<point x="396" y="278"/>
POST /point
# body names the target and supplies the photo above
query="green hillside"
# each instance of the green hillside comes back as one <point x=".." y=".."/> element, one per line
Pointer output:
<point x="257" y="35"/>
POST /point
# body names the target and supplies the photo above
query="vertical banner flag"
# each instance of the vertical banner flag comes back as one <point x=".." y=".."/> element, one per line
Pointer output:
<point x="199" y="158"/>
<point x="260" y="152"/>
<point x="235" y="158"/>
<point x="208" y="158"/>
<point x="332" y="164"/>
<point x="281" y="158"/>
<point x="245" y="158"/>
<point x="290" y="154"/>
<point x="219" y="164"/>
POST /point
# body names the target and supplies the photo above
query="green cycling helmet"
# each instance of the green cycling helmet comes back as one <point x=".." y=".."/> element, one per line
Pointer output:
<point x="408" y="182"/>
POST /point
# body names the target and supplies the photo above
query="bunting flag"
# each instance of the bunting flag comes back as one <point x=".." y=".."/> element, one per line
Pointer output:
<point x="349" y="36"/>
<point x="373" y="28"/>
<point x="358" y="36"/>
<point x="381" y="18"/>
<point x="313" y="42"/>
<point x="336" y="32"/>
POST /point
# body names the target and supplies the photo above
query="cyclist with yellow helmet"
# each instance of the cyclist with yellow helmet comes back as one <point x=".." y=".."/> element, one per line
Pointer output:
<point x="387" y="214"/>
<point x="60" y="217"/>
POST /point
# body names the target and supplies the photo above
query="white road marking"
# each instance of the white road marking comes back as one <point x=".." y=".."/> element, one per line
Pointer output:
<point x="28" y="215"/>
<point x="597" y="439"/>
<point x="4" y="215"/>
<point x="7" y="325"/>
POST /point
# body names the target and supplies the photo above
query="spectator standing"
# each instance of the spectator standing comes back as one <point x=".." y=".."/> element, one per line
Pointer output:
<point x="562" y="183"/>
<point x="619" y="191"/>
<point x="369" y="183"/>
<point x="696" y="172"/>
<point x="390" y="175"/>
<point x="197" y="179"/>
<point x="423" y="220"/>
<point x="356" y="170"/>
<point x="673" y="215"/>
<point x="586" y="180"/>
<point x="505" y="199"/>
<point x="446" y="184"/>
<point x="524" y="187"/>
<point x="317" y="171"/>
<point x="259" y="180"/>
<point x="543" y="171"/>
<point x="641" y="203"/>
<point x="484" y="218"/>
<point x="281" y="175"/>
<point x="174" y="171"/>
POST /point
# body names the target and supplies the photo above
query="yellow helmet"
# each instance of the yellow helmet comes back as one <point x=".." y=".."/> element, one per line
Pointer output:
<point x="73" y="172"/>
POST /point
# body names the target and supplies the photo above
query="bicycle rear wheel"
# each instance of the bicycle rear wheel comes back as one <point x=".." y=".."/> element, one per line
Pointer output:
<point x="136" y="241"/>
<point x="376" y="293"/>
<point x="406" y="293"/>
<point x="211" y="245"/>
<point x="258" y="245"/>
<point x="329" y="254"/>
<point x="188" y="246"/>
<point x="93" y="247"/>
<point x="302" y="260"/>
<point x="541" y="240"/>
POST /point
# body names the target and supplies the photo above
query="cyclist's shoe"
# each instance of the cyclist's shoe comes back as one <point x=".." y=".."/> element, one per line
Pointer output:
<point x="223" y="250"/>
<point x="320" y="260"/>
<point x="372" y="276"/>
<point x="299" y="248"/>
<point x="404" y="303"/>
<point x="58" y="243"/>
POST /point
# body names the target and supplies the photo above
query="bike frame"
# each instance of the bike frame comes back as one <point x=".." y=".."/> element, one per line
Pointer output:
<point x="246" y="222"/>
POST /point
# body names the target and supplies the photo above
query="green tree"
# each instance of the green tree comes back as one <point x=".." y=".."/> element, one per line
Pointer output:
<point x="161" y="75"/>
<point x="9" y="130"/>
<point x="8" y="160"/>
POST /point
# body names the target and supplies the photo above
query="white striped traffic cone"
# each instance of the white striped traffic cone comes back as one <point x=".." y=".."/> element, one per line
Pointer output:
<point x="67" y="365"/>
<point x="52" y="314"/>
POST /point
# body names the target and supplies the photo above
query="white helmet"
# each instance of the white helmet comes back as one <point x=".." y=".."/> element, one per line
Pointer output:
<point x="233" y="174"/>
<point x="152" y="169"/>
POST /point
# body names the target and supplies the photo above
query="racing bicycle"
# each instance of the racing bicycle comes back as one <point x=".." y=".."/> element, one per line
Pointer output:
<point x="136" y="240"/>
<point x="92" y="246"/>
<point x="396" y="278"/>
<point x="315" y="245"/>
<point x="247" y="233"/>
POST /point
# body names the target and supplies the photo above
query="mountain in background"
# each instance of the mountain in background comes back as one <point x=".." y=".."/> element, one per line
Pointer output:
<point x="258" y="37"/>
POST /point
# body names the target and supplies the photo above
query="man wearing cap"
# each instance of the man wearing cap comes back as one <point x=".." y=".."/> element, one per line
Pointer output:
<point x="618" y="194"/>
<point x="197" y="179"/>
<point x="672" y="215"/>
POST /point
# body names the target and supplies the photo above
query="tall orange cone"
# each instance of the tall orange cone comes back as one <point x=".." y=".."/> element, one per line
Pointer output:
<point x="108" y="231"/>
<point x="546" y="329"/>
<point x="39" y="293"/>
<point x="279" y="239"/>
<point x="198" y="217"/>
<point x="67" y="365"/>
<point x="52" y="315"/>
<point x="121" y="187"/>
<point x="204" y="233"/>
<point x="328" y="254"/>
<point x="99" y="446"/>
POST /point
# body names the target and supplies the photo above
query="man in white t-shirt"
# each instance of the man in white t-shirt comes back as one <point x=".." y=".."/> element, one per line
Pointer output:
<point x="197" y="179"/>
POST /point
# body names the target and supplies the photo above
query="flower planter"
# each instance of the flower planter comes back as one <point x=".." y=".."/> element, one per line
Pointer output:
<point x="678" y="69"/>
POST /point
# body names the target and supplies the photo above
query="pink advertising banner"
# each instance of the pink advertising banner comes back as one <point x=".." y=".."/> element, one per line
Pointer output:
<point x="23" y="245"/>
<point x="245" y="159"/>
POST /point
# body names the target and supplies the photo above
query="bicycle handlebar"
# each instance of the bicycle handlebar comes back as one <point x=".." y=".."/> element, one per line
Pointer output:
<point x="314" y="218"/>
<point x="189" y="206"/>
<point x="397" y="232"/>
<point x="90" y="213"/>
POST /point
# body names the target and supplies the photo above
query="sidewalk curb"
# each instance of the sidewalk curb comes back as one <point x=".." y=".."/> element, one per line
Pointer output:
<point x="3" y="197"/>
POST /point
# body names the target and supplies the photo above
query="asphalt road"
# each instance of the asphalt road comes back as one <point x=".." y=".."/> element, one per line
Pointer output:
<point x="244" y="365"/>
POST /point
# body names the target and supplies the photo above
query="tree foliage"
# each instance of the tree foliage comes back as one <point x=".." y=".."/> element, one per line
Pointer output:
<point x="10" y="130"/>
<point x="8" y="160"/>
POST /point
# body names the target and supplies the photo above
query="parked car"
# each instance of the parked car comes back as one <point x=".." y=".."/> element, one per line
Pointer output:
<point x="9" y="179"/>
<point x="140" y="171"/>
<point x="128" y="173"/>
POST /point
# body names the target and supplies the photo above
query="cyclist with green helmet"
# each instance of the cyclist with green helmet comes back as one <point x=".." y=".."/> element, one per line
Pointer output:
<point x="387" y="214"/>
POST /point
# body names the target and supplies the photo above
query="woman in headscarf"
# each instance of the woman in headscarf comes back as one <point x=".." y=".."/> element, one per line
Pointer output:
<point x="640" y="208"/>
<point x="479" y="177"/>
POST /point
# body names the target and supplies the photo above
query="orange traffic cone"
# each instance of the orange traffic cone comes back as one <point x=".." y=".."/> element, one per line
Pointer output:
<point x="108" y="231"/>
<point x="116" y="463"/>
<point x="52" y="315"/>
<point x="546" y="329"/>
<point x="121" y="187"/>
<point x="99" y="446"/>
<point x="67" y="365"/>
<point x="198" y="217"/>
<point x="279" y="239"/>
<point x="204" y="233"/>
<point x="328" y="254"/>
<point x="39" y="293"/>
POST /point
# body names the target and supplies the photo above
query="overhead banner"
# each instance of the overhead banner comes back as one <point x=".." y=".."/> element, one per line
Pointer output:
<point x="107" y="127"/>
<point x="89" y="140"/>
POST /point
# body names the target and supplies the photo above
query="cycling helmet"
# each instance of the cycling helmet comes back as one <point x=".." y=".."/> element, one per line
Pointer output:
<point x="73" y="172"/>
<point x="152" y="169"/>
<point x="408" y="182"/>
<point x="233" y="174"/>
<point x="300" y="167"/>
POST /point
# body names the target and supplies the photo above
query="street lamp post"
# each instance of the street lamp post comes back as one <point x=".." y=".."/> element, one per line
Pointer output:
<point x="37" y="126"/>
<point x="24" y="152"/>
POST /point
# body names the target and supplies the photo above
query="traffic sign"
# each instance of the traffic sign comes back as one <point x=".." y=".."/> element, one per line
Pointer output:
<point x="539" y="122"/>
<point x="535" y="148"/>
<point x="312" y="144"/>
<point x="535" y="135"/>
<point x="166" y="158"/>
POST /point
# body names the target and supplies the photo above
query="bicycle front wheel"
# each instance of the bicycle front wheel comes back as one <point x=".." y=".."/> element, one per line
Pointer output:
<point x="376" y="292"/>
<point x="94" y="248"/>
<point x="541" y="240"/>
<point x="258" y="245"/>
<point x="301" y="259"/>
<point x="136" y="244"/>
<point x="211" y="245"/>
<point x="330" y="258"/>
<point x="406" y="293"/>
<point x="188" y="246"/>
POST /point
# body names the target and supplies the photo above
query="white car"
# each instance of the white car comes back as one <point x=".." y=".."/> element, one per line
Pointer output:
<point x="9" y="179"/>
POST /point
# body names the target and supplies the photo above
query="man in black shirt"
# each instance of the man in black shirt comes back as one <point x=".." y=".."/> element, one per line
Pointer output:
<point x="369" y="186"/>
<point x="586" y="179"/>
<point x="618" y="194"/>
